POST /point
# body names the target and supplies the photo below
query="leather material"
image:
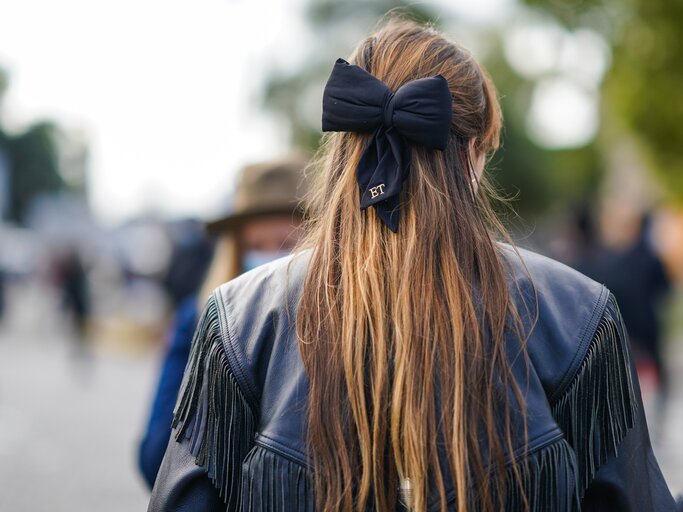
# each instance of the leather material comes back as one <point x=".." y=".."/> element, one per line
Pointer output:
<point x="561" y="309"/>
<point x="181" y="485"/>
<point x="569" y="308"/>
<point x="263" y="350"/>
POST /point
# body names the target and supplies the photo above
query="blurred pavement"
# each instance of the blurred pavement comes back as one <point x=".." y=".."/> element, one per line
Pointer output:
<point x="69" y="421"/>
<point x="668" y="437"/>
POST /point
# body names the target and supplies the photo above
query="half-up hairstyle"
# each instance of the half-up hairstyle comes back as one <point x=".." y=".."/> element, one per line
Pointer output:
<point x="402" y="334"/>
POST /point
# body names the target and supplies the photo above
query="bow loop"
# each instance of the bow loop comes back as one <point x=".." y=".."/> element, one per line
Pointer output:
<point x="419" y="111"/>
<point x="423" y="111"/>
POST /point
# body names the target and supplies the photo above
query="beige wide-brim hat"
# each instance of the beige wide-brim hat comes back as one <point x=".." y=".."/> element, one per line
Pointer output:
<point x="266" y="188"/>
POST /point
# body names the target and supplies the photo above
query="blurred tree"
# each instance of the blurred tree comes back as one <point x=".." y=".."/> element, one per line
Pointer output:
<point x="641" y="88"/>
<point x="33" y="167"/>
<point x="538" y="177"/>
<point x="33" y="162"/>
<point x="336" y="27"/>
<point x="541" y="179"/>
<point x="4" y="82"/>
<point x="4" y="152"/>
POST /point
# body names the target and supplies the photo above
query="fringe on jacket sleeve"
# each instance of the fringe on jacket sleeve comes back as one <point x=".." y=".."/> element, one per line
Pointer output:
<point x="599" y="407"/>
<point x="212" y="411"/>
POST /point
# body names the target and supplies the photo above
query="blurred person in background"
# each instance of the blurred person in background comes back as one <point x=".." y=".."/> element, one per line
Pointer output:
<point x="638" y="277"/>
<point x="403" y="359"/>
<point x="71" y="278"/>
<point x="620" y="252"/>
<point x="262" y="226"/>
<point x="190" y="257"/>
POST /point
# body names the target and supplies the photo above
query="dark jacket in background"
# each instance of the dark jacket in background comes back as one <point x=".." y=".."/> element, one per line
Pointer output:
<point x="637" y="277"/>
<point x="153" y="444"/>
<point x="239" y="431"/>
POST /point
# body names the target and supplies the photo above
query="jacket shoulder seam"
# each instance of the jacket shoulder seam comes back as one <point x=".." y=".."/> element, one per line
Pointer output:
<point x="601" y="398"/>
<point x="586" y="335"/>
<point x="230" y="343"/>
<point x="219" y="440"/>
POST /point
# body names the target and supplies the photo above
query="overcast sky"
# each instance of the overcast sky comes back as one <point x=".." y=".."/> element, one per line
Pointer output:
<point x="164" y="90"/>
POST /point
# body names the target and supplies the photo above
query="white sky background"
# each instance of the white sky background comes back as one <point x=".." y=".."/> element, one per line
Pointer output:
<point x="166" y="90"/>
<point x="163" y="89"/>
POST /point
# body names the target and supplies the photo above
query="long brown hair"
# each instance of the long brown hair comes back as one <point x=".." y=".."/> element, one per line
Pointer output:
<point x="225" y="264"/>
<point x="402" y="334"/>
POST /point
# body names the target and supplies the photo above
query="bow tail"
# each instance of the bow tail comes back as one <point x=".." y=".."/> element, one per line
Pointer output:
<point x="381" y="170"/>
<point x="388" y="212"/>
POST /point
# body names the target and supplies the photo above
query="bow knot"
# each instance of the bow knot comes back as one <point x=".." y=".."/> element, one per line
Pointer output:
<point x="388" y="110"/>
<point x="419" y="111"/>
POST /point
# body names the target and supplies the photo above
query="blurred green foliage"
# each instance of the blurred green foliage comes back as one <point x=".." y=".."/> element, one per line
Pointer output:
<point x="642" y="87"/>
<point x="337" y="26"/>
<point x="33" y="162"/>
<point x="539" y="179"/>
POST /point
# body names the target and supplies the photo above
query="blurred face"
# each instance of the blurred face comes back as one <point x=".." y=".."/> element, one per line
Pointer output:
<point x="267" y="238"/>
<point x="620" y="223"/>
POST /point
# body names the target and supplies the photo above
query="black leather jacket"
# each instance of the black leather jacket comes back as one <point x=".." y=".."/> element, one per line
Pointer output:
<point x="239" y="429"/>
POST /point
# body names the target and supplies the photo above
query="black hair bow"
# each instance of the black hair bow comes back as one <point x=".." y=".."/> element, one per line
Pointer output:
<point x="419" y="111"/>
